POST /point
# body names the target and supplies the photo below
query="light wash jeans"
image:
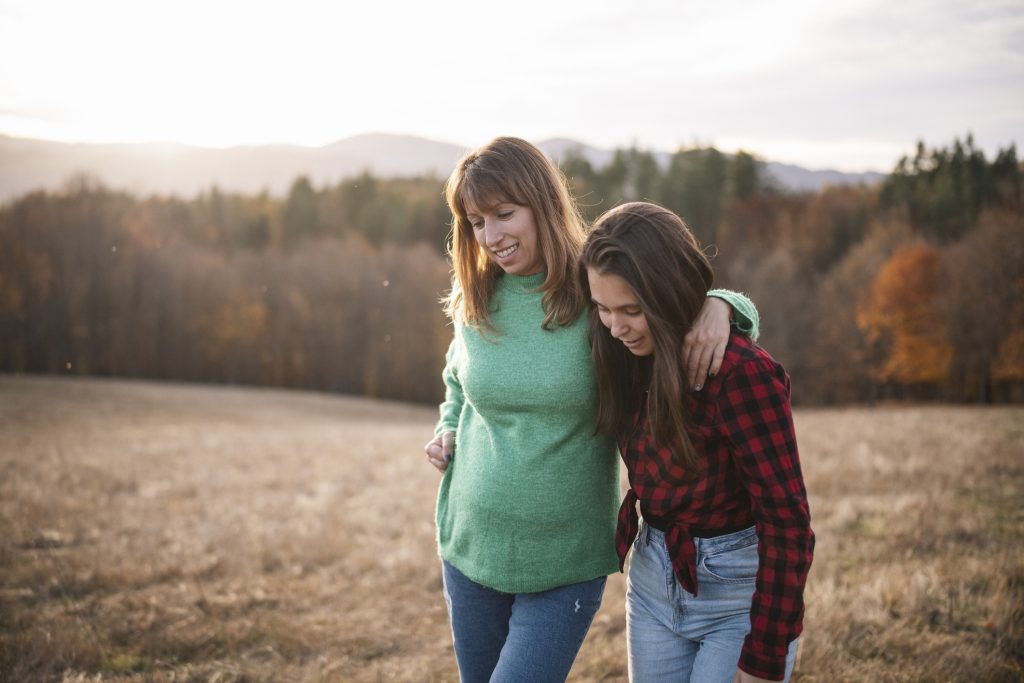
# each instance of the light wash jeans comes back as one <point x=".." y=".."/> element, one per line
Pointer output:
<point x="518" y="637"/>
<point x="674" y="636"/>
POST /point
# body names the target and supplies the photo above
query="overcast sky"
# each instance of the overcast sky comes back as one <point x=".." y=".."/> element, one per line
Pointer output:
<point x="848" y="84"/>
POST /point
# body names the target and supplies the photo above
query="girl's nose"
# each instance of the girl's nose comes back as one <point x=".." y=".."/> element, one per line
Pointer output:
<point x="619" y="328"/>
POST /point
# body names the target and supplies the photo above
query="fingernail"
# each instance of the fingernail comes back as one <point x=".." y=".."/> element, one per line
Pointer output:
<point x="447" y="457"/>
<point x="711" y="375"/>
<point x="698" y="387"/>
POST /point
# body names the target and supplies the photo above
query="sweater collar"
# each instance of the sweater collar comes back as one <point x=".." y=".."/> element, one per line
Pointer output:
<point x="523" y="284"/>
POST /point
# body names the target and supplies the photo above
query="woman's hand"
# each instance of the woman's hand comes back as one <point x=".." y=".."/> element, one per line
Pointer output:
<point x="440" y="450"/>
<point x="704" y="345"/>
<point x="744" y="677"/>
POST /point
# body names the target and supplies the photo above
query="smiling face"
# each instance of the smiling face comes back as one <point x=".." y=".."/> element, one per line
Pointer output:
<point x="507" y="232"/>
<point x="620" y="311"/>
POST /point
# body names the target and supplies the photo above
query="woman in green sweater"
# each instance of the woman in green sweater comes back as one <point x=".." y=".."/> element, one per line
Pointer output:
<point x="527" y="507"/>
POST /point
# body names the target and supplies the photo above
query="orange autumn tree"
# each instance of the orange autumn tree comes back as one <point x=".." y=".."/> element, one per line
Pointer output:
<point x="1009" y="364"/>
<point x="900" y="314"/>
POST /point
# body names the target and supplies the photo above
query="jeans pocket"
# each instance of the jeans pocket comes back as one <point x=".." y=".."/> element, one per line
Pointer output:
<point x="641" y="534"/>
<point x="734" y="565"/>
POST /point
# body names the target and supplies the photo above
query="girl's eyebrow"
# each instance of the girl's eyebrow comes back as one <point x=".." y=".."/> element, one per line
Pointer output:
<point x="629" y="305"/>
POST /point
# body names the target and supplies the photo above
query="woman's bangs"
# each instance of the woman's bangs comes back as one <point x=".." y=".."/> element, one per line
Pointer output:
<point x="483" y="192"/>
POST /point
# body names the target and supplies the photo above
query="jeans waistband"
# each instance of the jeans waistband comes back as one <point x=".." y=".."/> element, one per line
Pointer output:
<point x="716" y="541"/>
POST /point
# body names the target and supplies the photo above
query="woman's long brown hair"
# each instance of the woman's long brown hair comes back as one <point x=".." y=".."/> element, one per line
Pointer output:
<point x="654" y="252"/>
<point x="512" y="170"/>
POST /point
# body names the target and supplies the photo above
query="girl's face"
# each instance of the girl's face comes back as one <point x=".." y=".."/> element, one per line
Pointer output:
<point x="620" y="311"/>
<point x="508" y="233"/>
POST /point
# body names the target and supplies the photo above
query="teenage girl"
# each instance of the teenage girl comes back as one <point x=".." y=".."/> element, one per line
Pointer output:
<point x="720" y="558"/>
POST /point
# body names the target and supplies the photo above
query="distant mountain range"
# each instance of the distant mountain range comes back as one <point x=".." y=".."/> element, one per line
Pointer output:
<point x="165" y="168"/>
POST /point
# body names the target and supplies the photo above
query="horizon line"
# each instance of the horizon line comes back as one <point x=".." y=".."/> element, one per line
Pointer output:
<point x="379" y="133"/>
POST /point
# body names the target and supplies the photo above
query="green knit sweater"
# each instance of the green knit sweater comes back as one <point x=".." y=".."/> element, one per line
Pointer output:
<point x="530" y="498"/>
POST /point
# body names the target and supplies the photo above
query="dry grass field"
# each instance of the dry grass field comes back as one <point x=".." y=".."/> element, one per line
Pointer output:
<point x="153" y="532"/>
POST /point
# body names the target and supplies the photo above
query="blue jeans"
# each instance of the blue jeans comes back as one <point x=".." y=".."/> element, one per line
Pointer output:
<point x="673" y="635"/>
<point x="516" y="637"/>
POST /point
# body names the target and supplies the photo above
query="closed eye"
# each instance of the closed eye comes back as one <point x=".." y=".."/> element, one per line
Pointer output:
<point x="631" y="312"/>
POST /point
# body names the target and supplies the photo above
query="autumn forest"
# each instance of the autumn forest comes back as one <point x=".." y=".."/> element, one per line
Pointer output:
<point x="912" y="289"/>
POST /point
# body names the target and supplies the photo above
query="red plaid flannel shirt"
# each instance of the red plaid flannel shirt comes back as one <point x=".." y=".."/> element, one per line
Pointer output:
<point x="749" y="475"/>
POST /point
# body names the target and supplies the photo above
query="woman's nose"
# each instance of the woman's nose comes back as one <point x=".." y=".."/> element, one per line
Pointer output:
<point x="492" y="233"/>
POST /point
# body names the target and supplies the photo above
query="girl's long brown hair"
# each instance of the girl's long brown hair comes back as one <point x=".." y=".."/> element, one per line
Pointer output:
<point x="512" y="170"/>
<point x="650" y="248"/>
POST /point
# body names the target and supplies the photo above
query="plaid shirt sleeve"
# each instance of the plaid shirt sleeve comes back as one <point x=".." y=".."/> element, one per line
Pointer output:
<point x="755" y="413"/>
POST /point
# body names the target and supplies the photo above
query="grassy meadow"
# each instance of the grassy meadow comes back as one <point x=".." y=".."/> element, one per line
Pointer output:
<point x="161" y="532"/>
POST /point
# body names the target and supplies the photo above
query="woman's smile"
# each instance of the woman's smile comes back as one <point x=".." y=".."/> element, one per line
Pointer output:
<point x="507" y="251"/>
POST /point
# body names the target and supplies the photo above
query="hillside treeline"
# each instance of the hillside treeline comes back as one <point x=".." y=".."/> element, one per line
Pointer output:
<point x="222" y="288"/>
<point x="913" y="289"/>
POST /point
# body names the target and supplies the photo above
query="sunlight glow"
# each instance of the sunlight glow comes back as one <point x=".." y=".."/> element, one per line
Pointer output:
<point x="225" y="72"/>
